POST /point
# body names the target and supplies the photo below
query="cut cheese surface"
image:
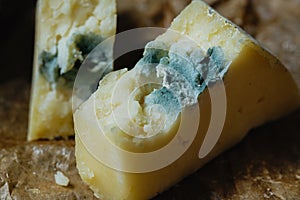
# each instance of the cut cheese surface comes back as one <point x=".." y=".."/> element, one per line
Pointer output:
<point x="126" y="131"/>
<point x="66" y="32"/>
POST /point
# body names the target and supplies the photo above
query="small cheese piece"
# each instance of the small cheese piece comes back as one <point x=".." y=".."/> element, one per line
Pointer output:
<point x="4" y="192"/>
<point x="66" y="32"/>
<point x="130" y="132"/>
<point x="61" y="179"/>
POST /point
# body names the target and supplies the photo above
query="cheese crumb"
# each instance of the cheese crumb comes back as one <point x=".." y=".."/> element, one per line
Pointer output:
<point x="61" y="179"/>
<point x="4" y="192"/>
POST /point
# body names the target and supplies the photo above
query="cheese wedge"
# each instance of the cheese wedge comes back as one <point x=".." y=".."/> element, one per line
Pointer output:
<point x="66" y="32"/>
<point x="198" y="90"/>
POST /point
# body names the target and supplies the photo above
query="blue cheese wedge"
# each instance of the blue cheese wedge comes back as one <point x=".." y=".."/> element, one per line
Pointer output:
<point x="66" y="32"/>
<point x="144" y="130"/>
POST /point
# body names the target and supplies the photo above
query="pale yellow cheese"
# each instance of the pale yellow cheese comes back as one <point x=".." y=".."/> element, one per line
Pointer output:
<point x="57" y="22"/>
<point x="258" y="89"/>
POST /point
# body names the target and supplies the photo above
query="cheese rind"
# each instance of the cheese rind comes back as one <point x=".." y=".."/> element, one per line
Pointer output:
<point x="258" y="89"/>
<point x="66" y="31"/>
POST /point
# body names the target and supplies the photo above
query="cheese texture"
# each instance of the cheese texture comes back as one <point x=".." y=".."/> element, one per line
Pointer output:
<point x="66" y="32"/>
<point x="123" y="128"/>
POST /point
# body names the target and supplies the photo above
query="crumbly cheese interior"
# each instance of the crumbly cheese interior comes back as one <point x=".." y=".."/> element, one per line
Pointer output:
<point x="128" y="123"/>
<point x="63" y="21"/>
<point x="66" y="31"/>
<point x="167" y="79"/>
<point x="258" y="89"/>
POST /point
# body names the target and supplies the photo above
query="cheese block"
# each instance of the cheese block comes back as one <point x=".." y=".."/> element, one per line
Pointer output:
<point x="197" y="91"/>
<point x="66" y="32"/>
